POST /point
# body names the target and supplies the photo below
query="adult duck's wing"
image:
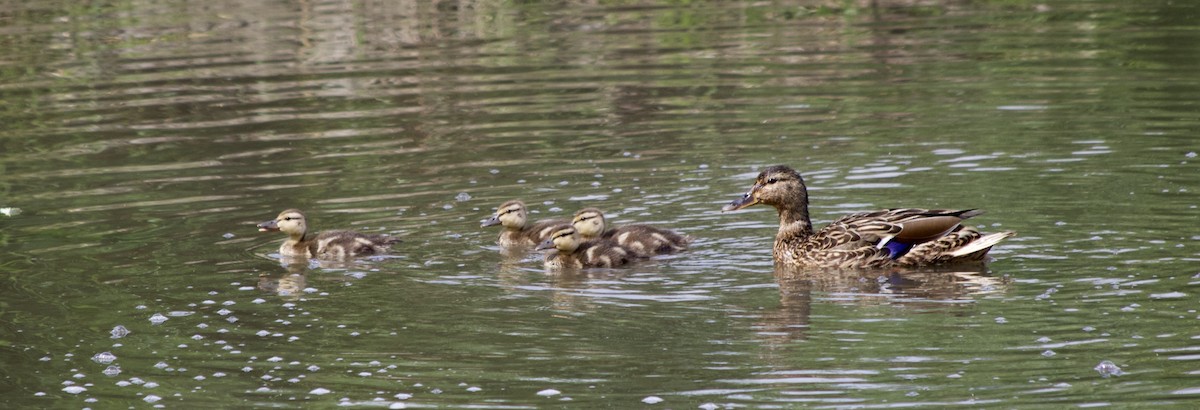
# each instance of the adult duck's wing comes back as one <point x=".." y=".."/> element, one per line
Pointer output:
<point x="905" y="225"/>
<point x="880" y="238"/>
<point x="926" y="236"/>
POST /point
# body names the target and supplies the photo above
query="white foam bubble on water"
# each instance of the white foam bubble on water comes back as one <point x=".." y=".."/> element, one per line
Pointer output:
<point x="104" y="357"/>
<point x="1108" y="368"/>
<point x="157" y="319"/>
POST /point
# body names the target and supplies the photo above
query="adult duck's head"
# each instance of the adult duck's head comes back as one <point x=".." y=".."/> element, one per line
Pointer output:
<point x="779" y="186"/>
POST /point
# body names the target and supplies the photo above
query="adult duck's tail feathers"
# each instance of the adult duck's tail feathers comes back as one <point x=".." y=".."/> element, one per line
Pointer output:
<point x="983" y="244"/>
<point x="965" y="245"/>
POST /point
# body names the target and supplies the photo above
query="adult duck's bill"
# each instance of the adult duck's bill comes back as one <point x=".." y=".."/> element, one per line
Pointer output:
<point x="268" y="226"/>
<point x="546" y="244"/>
<point x="493" y="221"/>
<point x="746" y="200"/>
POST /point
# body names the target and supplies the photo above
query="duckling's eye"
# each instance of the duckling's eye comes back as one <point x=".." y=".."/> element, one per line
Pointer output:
<point x="287" y="218"/>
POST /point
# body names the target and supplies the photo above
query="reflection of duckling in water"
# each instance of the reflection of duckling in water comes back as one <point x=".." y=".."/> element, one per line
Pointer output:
<point x="905" y="237"/>
<point x="334" y="245"/>
<point x="642" y="240"/>
<point x="289" y="285"/>
<point x="572" y="252"/>
<point x="518" y="231"/>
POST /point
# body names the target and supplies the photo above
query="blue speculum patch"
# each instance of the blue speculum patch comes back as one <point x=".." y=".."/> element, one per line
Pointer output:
<point x="897" y="249"/>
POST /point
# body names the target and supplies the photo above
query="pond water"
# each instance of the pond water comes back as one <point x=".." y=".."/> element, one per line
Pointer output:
<point x="143" y="141"/>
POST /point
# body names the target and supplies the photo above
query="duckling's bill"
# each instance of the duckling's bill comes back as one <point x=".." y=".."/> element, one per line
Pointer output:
<point x="268" y="226"/>
<point x="546" y="244"/>
<point x="493" y="221"/>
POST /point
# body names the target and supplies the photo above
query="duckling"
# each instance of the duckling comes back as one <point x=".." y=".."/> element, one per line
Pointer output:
<point x="334" y="245"/>
<point x="905" y="237"/>
<point x="517" y="232"/>
<point x="572" y="252"/>
<point x="643" y="240"/>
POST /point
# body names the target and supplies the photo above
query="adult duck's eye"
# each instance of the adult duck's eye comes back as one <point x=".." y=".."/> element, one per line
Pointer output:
<point x="772" y="180"/>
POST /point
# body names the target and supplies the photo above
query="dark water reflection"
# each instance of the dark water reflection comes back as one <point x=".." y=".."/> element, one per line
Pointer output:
<point x="143" y="141"/>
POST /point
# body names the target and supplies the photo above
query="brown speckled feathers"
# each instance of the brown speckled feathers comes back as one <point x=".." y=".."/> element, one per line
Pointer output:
<point x="570" y="251"/>
<point x="879" y="239"/>
<point x="517" y="231"/>
<point x="332" y="245"/>
<point x="642" y="240"/>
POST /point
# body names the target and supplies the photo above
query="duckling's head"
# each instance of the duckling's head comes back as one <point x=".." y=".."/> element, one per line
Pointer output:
<point x="589" y="222"/>
<point x="779" y="186"/>
<point x="290" y="222"/>
<point x="563" y="237"/>
<point x="511" y="214"/>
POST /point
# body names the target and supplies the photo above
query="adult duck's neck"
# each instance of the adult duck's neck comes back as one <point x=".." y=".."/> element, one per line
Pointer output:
<point x="794" y="224"/>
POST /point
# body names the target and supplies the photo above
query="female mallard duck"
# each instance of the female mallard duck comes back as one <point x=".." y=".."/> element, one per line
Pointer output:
<point x="879" y="239"/>
<point x="335" y="245"/>
<point x="572" y="252"/>
<point x="643" y="240"/>
<point x="517" y="231"/>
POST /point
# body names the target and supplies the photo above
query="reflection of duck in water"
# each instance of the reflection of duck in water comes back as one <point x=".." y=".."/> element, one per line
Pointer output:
<point x="518" y="232"/>
<point x="930" y="290"/>
<point x="642" y="240"/>
<point x="333" y="245"/>
<point x="572" y="252"/>
<point x="880" y="239"/>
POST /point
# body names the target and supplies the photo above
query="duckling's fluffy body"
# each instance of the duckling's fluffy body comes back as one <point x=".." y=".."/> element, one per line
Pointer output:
<point x="571" y="251"/>
<point x="642" y="240"/>
<point x="331" y="245"/>
<point x="894" y="237"/>
<point x="518" y="232"/>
